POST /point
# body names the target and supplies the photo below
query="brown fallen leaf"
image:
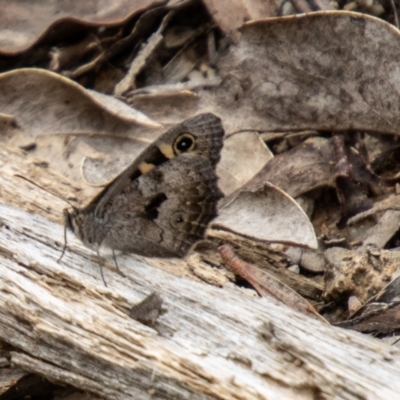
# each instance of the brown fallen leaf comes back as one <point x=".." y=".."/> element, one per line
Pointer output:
<point x="22" y="26"/>
<point x="290" y="171"/>
<point x="388" y="203"/>
<point x="385" y="228"/>
<point x="302" y="72"/>
<point x="265" y="284"/>
<point x="380" y="315"/>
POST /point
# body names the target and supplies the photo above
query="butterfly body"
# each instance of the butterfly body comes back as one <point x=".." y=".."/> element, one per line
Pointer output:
<point x="161" y="204"/>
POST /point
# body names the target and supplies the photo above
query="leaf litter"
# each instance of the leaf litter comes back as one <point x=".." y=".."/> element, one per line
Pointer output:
<point x="309" y="103"/>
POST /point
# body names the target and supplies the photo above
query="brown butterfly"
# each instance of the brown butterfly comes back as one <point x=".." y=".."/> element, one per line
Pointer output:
<point x="161" y="204"/>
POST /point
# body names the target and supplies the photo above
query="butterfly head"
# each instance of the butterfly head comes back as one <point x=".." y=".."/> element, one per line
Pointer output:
<point x="84" y="226"/>
<point x="73" y="221"/>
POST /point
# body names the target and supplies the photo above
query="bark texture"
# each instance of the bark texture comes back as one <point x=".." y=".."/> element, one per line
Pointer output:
<point x="212" y="343"/>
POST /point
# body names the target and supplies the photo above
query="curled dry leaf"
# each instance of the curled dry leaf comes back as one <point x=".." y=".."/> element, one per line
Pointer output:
<point x="98" y="171"/>
<point x="265" y="284"/>
<point x="63" y="123"/>
<point x="290" y="170"/>
<point x="22" y="26"/>
<point x="166" y="104"/>
<point x="380" y="315"/>
<point x="242" y="156"/>
<point x="380" y="234"/>
<point x="121" y="109"/>
<point x="267" y="214"/>
<point x="389" y="203"/>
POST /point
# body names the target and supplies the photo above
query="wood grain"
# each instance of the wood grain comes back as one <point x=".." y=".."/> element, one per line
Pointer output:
<point x="212" y="343"/>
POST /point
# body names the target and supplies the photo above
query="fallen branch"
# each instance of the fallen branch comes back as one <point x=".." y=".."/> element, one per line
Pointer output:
<point x="64" y="324"/>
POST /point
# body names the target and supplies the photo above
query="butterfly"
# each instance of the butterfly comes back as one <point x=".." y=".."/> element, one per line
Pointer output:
<point x="162" y="203"/>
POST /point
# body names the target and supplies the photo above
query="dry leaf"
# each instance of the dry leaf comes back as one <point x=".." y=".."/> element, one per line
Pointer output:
<point x="62" y="123"/>
<point x="242" y="156"/>
<point x="21" y="25"/>
<point x="303" y="72"/>
<point x="101" y="170"/>
<point x="381" y="314"/>
<point x="267" y="214"/>
<point x="290" y="170"/>
<point x="240" y="11"/>
<point x="386" y="227"/>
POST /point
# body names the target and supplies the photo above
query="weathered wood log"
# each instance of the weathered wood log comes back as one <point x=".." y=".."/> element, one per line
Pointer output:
<point x="213" y="343"/>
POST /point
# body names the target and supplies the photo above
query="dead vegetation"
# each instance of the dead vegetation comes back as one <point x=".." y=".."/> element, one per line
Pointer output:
<point x="310" y="218"/>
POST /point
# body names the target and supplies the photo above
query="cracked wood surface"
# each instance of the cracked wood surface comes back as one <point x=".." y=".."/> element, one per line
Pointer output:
<point x="213" y="343"/>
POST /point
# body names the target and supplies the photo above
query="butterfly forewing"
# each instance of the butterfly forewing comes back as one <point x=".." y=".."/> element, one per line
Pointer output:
<point x="207" y="131"/>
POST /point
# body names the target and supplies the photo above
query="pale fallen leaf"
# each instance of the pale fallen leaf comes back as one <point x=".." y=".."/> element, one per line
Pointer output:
<point x="61" y="122"/>
<point x="290" y="170"/>
<point x="301" y="72"/>
<point x="121" y="109"/>
<point x="242" y="156"/>
<point x="386" y="227"/>
<point x="101" y="170"/>
<point x="267" y="214"/>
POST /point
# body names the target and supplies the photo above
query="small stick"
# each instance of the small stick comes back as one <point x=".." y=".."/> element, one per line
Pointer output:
<point x="265" y="284"/>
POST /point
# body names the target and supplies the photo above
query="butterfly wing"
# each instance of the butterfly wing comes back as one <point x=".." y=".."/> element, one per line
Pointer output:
<point x="201" y="135"/>
<point x="166" y="210"/>
<point x="161" y="204"/>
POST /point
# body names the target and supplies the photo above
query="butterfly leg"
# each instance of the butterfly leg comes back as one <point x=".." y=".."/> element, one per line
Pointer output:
<point x="101" y="265"/>
<point x="116" y="264"/>
<point x="65" y="244"/>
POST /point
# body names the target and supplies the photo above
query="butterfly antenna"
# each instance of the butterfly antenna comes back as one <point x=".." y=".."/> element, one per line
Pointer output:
<point x="41" y="187"/>
<point x="116" y="265"/>
<point x="55" y="195"/>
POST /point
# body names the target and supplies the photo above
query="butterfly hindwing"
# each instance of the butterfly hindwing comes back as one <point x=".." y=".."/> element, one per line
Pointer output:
<point x="172" y="207"/>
